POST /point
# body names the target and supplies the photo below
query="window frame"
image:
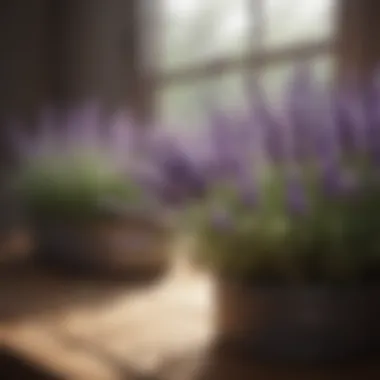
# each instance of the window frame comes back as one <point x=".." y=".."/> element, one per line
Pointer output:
<point x="251" y="63"/>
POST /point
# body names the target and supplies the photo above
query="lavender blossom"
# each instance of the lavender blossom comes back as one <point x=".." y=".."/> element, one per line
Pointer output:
<point x="273" y="134"/>
<point x="301" y="105"/>
<point x="326" y="142"/>
<point x="182" y="179"/>
<point x="88" y="121"/>
<point x="355" y="123"/>
<point x="325" y="146"/>
<point x="80" y="128"/>
<point x="77" y="132"/>
<point x="345" y="125"/>
<point x="224" y="144"/>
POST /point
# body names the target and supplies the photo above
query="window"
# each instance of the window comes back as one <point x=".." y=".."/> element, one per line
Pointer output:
<point x="197" y="31"/>
<point x="292" y="21"/>
<point x="211" y="47"/>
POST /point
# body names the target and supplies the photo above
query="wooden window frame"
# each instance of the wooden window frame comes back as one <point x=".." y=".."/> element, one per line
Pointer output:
<point x="255" y="58"/>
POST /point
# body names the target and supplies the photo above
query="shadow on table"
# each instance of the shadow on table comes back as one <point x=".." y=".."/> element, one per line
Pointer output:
<point x="216" y="364"/>
<point x="12" y="367"/>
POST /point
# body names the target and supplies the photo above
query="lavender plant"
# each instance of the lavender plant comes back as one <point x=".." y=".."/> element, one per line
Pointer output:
<point x="295" y="197"/>
<point x="75" y="166"/>
<point x="178" y="174"/>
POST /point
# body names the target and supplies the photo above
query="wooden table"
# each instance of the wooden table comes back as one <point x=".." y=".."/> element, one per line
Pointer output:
<point x="87" y="330"/>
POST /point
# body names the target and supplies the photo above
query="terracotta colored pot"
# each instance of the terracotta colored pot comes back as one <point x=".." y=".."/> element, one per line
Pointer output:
<point x="120" y="246"/>
<point x="310" y="324"/>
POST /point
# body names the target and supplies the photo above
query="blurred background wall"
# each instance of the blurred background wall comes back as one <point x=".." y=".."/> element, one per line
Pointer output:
<point x="68" y="51"/>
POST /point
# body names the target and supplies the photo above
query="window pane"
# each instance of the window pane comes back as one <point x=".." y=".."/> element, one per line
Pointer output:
<point x="290" y="21"/>
<point x="276" y="78"/>
<point x="184" y="106"/>
<point x="198" y="30"/>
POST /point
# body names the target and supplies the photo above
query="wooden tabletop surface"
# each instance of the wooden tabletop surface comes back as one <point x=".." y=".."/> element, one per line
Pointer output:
<point x="96" y="330"/>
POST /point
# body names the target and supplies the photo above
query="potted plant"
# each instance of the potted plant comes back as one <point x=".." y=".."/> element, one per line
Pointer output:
<point x="87" y="200"/>
<point x="290" y="225"/>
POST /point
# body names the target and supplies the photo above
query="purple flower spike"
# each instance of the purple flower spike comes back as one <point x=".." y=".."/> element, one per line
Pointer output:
<point x="70" y="130"/>
<point x="345" y="125"/>
<point x="354" y="115"/>
<point x="327" y="146"/>
<point x="176" y="166"/>
<point x="84" y="125"/>
<point x="273" y="133"/>
<point x="224" y="144"/>
<point x="180" y="175"/>
<point x="76" y="131"/>
<point x="302" y="108"/>
<point x="296" y="199"/>
<point x="301" y="95"/>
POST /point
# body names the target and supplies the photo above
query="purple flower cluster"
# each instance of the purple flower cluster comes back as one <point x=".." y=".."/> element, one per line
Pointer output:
<point x="180" y="176"/>
<point x="154" y="158"/>
<point x="77" y="131"/>
<point x="314" y="126"/>
<point x="330" y="130"/>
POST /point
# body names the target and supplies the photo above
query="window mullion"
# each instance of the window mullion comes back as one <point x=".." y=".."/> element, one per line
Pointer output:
<point x="255" y="10"/>
<point x="250" y="61"/>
